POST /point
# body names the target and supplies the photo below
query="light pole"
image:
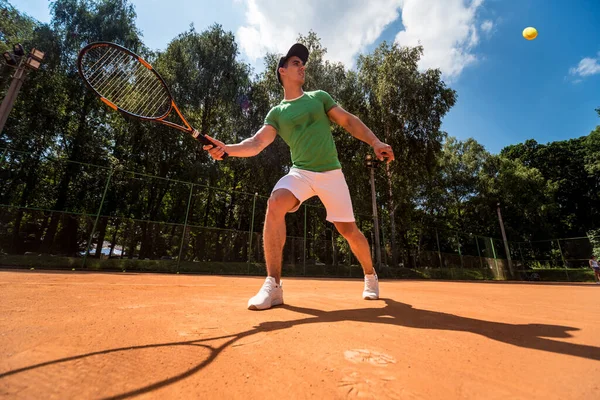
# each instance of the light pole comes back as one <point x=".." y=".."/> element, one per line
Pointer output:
<point x="372" y="164"/>
<point x="21" y="62"/>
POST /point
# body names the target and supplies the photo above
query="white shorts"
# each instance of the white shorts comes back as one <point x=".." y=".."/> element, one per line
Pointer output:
<point x="330" y="186"/>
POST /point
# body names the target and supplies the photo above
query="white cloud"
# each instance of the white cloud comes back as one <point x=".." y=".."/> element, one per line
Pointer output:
<point x="447" y="29"/>
<point x="345" y="27"/>
<point x="486" y="26"/>
<point x="586" y="67"/>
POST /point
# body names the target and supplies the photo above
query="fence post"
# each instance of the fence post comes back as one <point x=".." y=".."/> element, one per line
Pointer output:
<point x="251" y="231"/>
<point x="563" y="260"/>
<point x="110" y="174"/>
<point x="183" y="233"/>
<point x="522" y="259"/>
<point x="478" y="251"/>
<point x="304" y="252"/>
<point x="438" y="246"/>
<point x="495" y="259"/>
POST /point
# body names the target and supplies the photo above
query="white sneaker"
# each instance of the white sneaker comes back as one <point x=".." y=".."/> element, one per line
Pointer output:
<point x="269" y="295"/>
<point x="371" y="291"/>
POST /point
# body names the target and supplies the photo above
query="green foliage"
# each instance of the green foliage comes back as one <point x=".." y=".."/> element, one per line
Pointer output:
<point x="436" y="182"/>
<point x="404" y="108"/>
<point x="571" y="167"/>
<point x="525" y="197"/>
<point x="15" y="26"/>
<point x="594" y="238"/>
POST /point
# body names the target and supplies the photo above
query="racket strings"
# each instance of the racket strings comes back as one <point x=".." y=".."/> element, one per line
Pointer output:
<point x="114" y="88"/>
<point x="123" y="80"/>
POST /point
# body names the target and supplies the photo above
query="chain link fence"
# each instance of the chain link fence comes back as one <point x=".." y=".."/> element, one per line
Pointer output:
<point x="62" y="214"/>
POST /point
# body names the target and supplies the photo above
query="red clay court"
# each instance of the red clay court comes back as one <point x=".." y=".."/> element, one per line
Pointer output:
<point x="121" y="335"/>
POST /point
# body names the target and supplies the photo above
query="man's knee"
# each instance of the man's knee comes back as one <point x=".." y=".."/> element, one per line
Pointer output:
<point x="348" y="230"/>
<point x="280" y="202"/>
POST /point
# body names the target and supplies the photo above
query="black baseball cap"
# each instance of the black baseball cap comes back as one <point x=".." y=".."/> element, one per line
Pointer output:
<point x="298" y="50"/>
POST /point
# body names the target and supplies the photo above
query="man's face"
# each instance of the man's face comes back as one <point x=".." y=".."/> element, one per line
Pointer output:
<point x="294" y="70"/>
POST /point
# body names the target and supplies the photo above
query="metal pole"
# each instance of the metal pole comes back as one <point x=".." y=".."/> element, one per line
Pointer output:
<point x="495" y="258"/>
<point x="478" y="251"/>
<point x="375" y="219"/>
<point x="97" y="218"/>
<point x="510" y="267"/>
<point x="304" y="253"/>
<point x="11" y="95"/>
<point x="439" y="251"/>
<point x="251" y="230"/>
<point x="187" y="213"/>
<point x="563" y="259"/>
<point x="522" y="259"/>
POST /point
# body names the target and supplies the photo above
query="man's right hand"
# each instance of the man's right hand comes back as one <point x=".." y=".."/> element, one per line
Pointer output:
<point x="216" y="151"/>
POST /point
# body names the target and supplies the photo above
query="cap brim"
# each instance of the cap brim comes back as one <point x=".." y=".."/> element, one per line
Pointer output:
<point x="298" y="50"/>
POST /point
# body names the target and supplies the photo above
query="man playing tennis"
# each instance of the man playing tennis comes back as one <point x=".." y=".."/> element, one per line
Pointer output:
<point x="302" y="119"/>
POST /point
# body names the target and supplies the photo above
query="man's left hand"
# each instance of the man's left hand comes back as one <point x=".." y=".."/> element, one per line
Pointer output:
<point x="382" y="151"/>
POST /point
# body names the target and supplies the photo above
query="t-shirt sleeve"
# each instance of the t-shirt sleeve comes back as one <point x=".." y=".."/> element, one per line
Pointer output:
<point x="272" y="118"/>
<point x="328" y="101"/>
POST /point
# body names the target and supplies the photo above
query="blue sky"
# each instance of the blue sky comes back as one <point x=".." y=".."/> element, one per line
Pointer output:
<point x="509" y="89"/>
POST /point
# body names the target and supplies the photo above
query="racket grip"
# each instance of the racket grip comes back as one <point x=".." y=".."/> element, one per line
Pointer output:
<point x="207" y="141"/>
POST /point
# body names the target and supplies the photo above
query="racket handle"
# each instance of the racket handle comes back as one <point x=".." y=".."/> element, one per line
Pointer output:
<point x="201" y="137"/>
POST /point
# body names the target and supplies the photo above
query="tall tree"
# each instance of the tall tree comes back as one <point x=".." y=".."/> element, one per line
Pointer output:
<point x="568" y="164"/>
<point x="76" y="23"/>
<point x="405" y="108"/>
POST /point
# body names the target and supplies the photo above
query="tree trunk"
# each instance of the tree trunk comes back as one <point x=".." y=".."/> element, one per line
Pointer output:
<point x="30" y="183"/>
<point x="58" y="206"/>
<point x="101" y="235"/>
<point x="113" y="241"/>
<point x="145" y="240"/>
<point x="70" y="172"/>
<point x="67" y="237"/>
<point x="132" y="242"/>
<point x="17" y="242"/>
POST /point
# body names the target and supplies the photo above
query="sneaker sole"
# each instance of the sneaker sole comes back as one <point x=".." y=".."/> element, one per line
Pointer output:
<point x="255" y="308"/>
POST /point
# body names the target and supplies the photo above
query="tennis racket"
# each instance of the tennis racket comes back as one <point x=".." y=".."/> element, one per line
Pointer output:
<point x="125" y="82"/>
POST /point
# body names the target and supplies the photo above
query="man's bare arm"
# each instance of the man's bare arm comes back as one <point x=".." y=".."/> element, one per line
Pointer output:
<point x="359" y="130"/>
<point x="246" y="148"/>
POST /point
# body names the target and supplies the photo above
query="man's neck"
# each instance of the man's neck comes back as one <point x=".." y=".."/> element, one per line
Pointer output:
<point x="292" y="93"/>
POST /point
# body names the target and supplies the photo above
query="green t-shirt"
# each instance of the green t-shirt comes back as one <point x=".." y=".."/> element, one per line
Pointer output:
<point x="304" y="126"/>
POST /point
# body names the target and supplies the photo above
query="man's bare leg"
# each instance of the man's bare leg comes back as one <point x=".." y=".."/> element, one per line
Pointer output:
<point x="280" y="202"/>
<point x="358" y="244"/>
<point x="271" y="292"/>
<point x="360" y="247"/>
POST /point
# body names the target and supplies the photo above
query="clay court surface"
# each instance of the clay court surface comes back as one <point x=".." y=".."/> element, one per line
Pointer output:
<point x="104" y="335"/>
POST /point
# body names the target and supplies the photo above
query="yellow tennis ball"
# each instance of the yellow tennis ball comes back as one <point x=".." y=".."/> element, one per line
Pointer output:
<point x="530" y="33"/>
